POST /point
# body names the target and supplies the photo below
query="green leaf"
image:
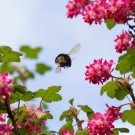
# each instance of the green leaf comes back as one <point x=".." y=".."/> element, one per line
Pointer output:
<point x="23" y="131"/>
<point x="110" y="88"/>
<point x="126" y="62"/>
<point x="42" y="68"/>
<point x="82" y="132"/>
<point x="8" y="55"/>
<point x="6" y="67"/>
<point x="63" y="115"/>
<point x="18" y="96"/>
<point x="133" y="73"/>
<point x="116" y="132"/>
<point x="129" y="115"/>
<point x="30" y="52"/>
<point x="49" y="95"/>
<point x="48" y="116"/>
<point x="19" y="88"/>
<point x="123" y="130"/>
<point x="114" y="90"/>
<point x="71" y="101"/>
<point x="67" y="126"/>
<point x="86" y="109"/>
<point x="110" y="23"/>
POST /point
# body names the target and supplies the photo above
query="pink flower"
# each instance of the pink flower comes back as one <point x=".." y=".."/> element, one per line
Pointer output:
<point x="76" y="7"/>
<point x="66" y="132"/>
<point x="99" y="71"/>
<point x="6" y="129"/>
<point x="5" y="89"/>
<point x="123" y="42"/>
<point x="119" y="10"/>
<point x="38" y="115"/>
<point x="2" y="118"/>
<point x="113" y="112"/>
<point x="102" y="124"/>
<point x="95" y="12"/>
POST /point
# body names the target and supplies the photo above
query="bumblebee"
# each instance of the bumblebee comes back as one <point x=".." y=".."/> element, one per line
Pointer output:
<point x="64" y="60"/>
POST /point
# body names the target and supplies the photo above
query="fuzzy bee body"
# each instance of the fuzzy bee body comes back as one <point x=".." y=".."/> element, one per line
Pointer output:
<point x="64" y="60"/>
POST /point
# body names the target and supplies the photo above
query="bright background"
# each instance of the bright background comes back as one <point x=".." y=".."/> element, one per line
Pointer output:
<point x="44" y="23"/>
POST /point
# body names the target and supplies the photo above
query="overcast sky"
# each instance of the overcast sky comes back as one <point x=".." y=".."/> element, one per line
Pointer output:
<point x="44" y="23"/>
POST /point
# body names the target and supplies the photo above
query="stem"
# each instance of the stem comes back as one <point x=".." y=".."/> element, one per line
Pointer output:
<point x="11" y="116"/>
<point x="18" y="106"/>
<point x="41" y="102"/>
<point x="132" y="95"/>
<point x="116" y="77"/>
<point x="79" y="122"/>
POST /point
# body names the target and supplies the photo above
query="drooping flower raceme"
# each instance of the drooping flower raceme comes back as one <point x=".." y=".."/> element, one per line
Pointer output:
<point x="66" y="132"/>
<point x="76" y="7"/>
<point x="34" y="121"/>
<point x="123" y="42"/>
<point x="5" y="89"/>
<point x="102" y="124"/>
<point x="97" y="10"/>
<point x="5" y="129"/>
<point x="119" y="10"/>
<point x="99" y="71"/>
<point x="113" y="112"/>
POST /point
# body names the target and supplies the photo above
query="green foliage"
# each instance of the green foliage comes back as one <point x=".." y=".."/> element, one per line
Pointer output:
<point x="126" y="62"/>
<point x="49" y="95"/>
<point x="121" y="130"/>
<point x="63" y="115"/>
<point x="42" y="68"/>
<point x="6" y="67"/>
<point x="30" y="52"/>
<point x="8" y="55"/>
<point x="67" y="126"/>
<point x="129" y="115"/>
<point x="19" y="96"/>
<point x="114" y="90"/>
<point x="110" y="23"/>
<point x="71" y="101"/>
<point x="19" y="88"/>
<point x="82" y="132"/>
<point x="87" y="110"/>
<point x="23" y="131"/>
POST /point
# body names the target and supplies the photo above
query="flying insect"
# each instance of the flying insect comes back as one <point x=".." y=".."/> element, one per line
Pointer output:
<point x="64" y="60"/>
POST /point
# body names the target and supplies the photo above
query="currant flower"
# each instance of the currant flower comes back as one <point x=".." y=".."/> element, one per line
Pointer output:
<point x="123" y="42"/>
<point x="75" y="7"/>
<point x="5" y="89"/>
<point x="119" y="10"/>
<point x="99" y="71"/>
<point x="66" y="132"/>
<point x="33" y="114"/>
<point x="113" y="112"/>
<point x="95" y="12"/>
<point x="100" y="124"/>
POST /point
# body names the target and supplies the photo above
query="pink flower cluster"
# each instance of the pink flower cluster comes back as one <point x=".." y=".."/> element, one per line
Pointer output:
<point x="99" y="71"/>
<point x="96" y="11"/>
<point x="5" y="89"/>
<point x="4" y="128"/>
<point x="102" y="124"/>
<point x="76" y="7"/>
<point x="33" y="114"/>
<point x="123" y="42"/>
<point x="66" y="132"/>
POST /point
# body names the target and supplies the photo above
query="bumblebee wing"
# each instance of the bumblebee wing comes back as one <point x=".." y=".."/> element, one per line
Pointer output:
<point x="75" y="49"/>
<point x="58" y="69"/>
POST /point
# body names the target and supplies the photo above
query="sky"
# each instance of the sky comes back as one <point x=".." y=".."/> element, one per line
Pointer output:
<point x="44" y="23"/>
